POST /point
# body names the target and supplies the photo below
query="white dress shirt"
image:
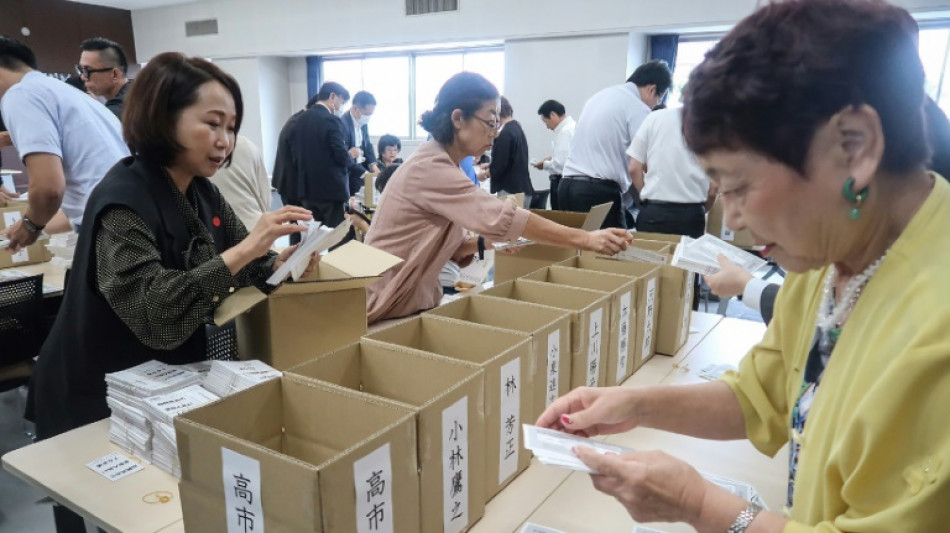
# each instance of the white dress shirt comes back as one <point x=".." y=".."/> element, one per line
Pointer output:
<point x="673" y="174"/>
<point x="564" y="132"/>
<point x="608" y="123"/>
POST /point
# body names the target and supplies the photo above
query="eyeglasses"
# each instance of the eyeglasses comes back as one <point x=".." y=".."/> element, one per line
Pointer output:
<point x="494" y="125"/>
<point x="86" y="71"/>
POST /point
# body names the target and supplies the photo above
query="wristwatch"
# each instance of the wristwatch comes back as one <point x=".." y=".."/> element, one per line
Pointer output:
<point x="745" y="518"/>
<point x="30" y="226"/>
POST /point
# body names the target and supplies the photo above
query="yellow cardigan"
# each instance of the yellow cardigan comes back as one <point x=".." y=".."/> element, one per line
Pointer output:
<point x="875" y="454"/>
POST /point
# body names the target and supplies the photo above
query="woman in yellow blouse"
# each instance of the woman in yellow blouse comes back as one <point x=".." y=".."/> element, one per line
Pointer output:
<point x="808" y="115"/>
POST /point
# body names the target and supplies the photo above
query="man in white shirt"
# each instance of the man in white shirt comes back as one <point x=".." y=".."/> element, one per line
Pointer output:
<point x="555" y="117"/>
<point x="67" y="141"/>
<point x="674" y="190"/>
<point x="596" y="171"/>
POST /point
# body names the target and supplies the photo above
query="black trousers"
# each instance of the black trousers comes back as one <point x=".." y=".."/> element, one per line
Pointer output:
<point x="580" y="194"/>
<point x="555" y="181"/>
<point x="674" y="219"/>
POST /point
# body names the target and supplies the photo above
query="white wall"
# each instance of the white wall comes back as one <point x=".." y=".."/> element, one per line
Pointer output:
<point x="247" y="73"/>
<point x="275" y="104"/>
<point x="286" y="27"/>
<point x="540" y="69"/>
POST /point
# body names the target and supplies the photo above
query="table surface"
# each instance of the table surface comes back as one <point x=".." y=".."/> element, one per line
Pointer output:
<point x="543" y="495"/>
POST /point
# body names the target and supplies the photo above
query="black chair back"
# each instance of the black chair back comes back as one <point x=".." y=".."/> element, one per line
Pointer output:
<point x="22" y="328"/>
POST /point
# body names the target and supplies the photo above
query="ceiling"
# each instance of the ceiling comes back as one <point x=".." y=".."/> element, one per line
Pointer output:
<point x="134" y="4"/>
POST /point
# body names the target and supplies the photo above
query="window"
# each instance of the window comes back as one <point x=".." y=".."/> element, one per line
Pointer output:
<point x="935" y="55"/>
<point x="401" y="97"/>
<point x="689" y="54"/>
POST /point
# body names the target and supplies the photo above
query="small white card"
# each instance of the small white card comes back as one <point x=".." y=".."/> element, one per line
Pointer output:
<point x="316" y="239"/>
<point x="241" y="476"/>
<point x="556" y="448"/>
<point x="114" y="466"/>
<point x="373" y="480"/>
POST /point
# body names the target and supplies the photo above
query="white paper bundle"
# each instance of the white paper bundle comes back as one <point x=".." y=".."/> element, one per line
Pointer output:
<point x="555" y="448"/>
<point x="165" y="449"/>
<point x="316" y="239"/>
<point x="151" y="379"/>
<point x="702" y="255"/>
<point x="165" y="407"/>
<point x="228" y="377"/>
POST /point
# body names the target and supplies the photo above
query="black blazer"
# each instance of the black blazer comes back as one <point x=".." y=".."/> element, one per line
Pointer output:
<point x="509" y="161"/>
<point x="356" y="170"/>
<point x="319" y="147"/>
<point x="286" y="180"/>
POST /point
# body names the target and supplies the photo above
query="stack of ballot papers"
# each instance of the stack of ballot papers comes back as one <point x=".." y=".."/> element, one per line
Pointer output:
<point x="228" y="377"/>
<point x="555" y="448"/>
<point x="63" y="246"/>
<point x="316" y="239"/>
<point x="702" y="255"/>
<point x="161" y="410"/>
<point x="520" y="241"/>
<point x="146" y="399"/>
<point x="739" y="488"/>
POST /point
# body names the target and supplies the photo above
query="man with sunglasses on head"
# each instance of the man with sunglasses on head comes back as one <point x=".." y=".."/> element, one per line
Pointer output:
<point x="103" y="67"/>
<point x="66" y="140"/>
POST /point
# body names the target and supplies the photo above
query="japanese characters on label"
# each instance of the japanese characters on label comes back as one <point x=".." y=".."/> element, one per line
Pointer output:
<point x="373" y="480"/>
<point x="594" y="346"/>
<point x="648" y="319"/>
<point x="623" y="336"/>
<point x="455" y="480"/>
<point x="510" y="409"/>
<point x="553" y="367"/>
<point x="241" y="476"/>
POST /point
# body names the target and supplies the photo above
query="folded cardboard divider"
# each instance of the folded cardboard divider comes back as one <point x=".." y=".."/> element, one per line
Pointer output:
<point x="506" y="358"/>
<point x="550" y="331"/>
<point x="589" y="322"/>
<point x="621" y="354"/>
<point x="447" y="396"/>
<point x="676" y="304"/>
<point x="535" y="256"/>
<point x="317" y="314"/>
<point x="296" y="455"/>
<point x="647" y="282"/>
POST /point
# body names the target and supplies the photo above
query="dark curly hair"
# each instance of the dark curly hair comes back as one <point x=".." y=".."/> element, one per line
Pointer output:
<point x="785" y="70"/>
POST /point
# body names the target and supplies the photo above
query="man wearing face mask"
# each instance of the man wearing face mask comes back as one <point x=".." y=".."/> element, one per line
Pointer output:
<point x="318" y="142"/>
<point x="357" y="138"/>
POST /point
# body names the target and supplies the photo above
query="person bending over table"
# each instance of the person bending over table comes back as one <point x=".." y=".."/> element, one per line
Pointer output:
<point x="794" y="115"/>
<point x="429" y="203"/>
<point x="159" y="248"/>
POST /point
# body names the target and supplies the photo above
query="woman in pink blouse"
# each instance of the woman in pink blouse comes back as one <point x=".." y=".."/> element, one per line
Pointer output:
<point x="429" y="203"/>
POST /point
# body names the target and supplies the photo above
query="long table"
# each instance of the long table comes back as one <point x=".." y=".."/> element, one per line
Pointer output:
<point x="544" y="495"/>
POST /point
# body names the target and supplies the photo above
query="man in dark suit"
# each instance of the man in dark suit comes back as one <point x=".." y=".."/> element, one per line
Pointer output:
<point x="358" y="143"/>
<point x="285" y="178"/>
<point x="318" y="144"/>
<point x="509" y="157"/>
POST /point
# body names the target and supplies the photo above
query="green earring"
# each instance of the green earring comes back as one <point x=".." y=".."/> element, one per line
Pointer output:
<point x="856" y="199"/>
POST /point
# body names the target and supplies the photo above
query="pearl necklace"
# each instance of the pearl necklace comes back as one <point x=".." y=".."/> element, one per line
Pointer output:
<point x="830" y="315"/>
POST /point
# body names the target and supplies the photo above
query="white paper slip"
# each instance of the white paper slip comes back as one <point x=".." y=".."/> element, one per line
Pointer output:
<point x="513" y="244"/>
<point x="713" y="372"/>
<point x="555" y="448"/>
<point x="739" y="488"/>
<point x="166" y="407"/>
<point x="535" y="528"/>
<point x="639" y="254"/>
<point x="693" y="263"/>
<point x="711" y="246"/>
<point x="7" y="181"/>
<point x="316" y="239"/>
<point x="114" y="466"/>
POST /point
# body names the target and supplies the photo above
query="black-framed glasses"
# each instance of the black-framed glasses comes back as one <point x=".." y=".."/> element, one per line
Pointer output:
<point x="86" y="71"/>
<point x="495" y="125"/>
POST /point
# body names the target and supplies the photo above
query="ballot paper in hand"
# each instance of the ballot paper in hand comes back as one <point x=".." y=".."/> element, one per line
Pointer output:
<point x="521" y="241"/>
<point x="315" y="239"/>
<point x="555" y="448"/>
<point x="702" y="255"/>
<point x="739" y="488"/>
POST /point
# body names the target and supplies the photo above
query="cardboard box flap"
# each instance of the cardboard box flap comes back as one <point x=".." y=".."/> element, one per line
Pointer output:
<point x="589" y="221"/>
<point x="238" y="303"/>
<point x="596" y="217"/>
<point x="360" y="260"/>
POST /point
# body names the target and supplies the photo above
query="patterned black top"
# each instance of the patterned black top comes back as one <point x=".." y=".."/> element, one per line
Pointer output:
<point x="163" y="307"/>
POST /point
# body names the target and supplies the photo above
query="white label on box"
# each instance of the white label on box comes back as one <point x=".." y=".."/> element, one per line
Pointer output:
<point x="687" y="309"/>
<point x="510" y="419"/>
<point x="554" y="364"/>
<point x="373" y="479"/>
<point x="7" y="181"/>
<point x="534" y="528"/>
<point x="20" y="257"/>
<point x="623" y="336"/>
<point x="114" y="466"/>
<point x="727" y="234"/>
<point x="241" y="476"/>
<point x="593" y="346"/>
<point x="648" y="319"/>
<point x="455" y="467"/>
<point x="10" y="218"/>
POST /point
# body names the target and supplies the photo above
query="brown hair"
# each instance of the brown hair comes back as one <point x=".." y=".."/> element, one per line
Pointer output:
<point x="785" y="70"/>
<point x="165" y="87"/>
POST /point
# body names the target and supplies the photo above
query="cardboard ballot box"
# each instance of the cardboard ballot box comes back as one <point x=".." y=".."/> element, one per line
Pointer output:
<point x="535" y="256"/>
<point x="32" y="254"/>
<point x="370" y="196"/>
<point x="676" y="303"/>
<point x="647" y="282"/>
<point x="447" y="396"/>
<point x="319" y="313"/>
<point x="589" y="310"/>
<point x="506" y="359"/>
<point x="623" y="319"/>
<point x="550" y="331"/>
<point x="293" y="455"/>
<point x="716" y="225"/>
